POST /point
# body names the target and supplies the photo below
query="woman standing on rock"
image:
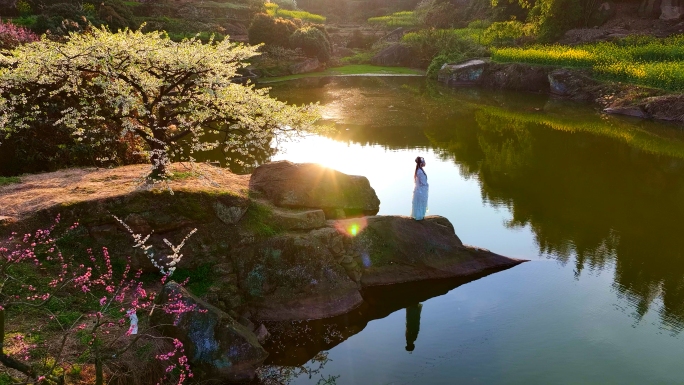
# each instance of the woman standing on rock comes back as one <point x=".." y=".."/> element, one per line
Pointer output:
<point x="420" y="191"/>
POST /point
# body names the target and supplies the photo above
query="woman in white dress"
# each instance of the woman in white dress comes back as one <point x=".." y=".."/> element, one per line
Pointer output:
<point x="420" y="191"/>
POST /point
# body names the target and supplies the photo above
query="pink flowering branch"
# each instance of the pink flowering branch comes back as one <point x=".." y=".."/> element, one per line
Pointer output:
<point x="120" y="297"/>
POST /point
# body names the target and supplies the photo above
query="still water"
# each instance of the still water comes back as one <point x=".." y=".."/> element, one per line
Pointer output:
<point x="595" y="202"/>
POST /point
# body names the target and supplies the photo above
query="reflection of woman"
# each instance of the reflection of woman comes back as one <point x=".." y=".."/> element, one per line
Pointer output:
<point x="412" y="325"/>
<point x="420" y="191"/>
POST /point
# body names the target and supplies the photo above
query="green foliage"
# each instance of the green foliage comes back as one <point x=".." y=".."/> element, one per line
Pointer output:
<point x="506" y="33"/>
<point x="313" y="41"/>
<point x="24" y="8"/>
<point x="275" y="11"/>
<point x="441" y="59"/>
<point x="640" y="60"/>
<point x="271" y="31"/>
<point x="25" y="21"/>
<point x="395" y="20"/>
<point x="439" y="14"/>
<point x="199" y="279"/>
<point x="553" y="17"/>
<point x="358" y="58"/>
<point x="4" y="181"/>
<point x="428" y="43"/>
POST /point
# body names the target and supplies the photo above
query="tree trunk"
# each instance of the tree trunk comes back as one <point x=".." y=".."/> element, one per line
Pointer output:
<point x="99" y="373"/>
<point x="158" y="158"/>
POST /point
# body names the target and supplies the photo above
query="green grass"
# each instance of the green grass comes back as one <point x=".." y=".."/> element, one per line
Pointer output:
<point x="275" y="11"/>
<point x="349" y="70"/>
<point x="396" y="20"/>
<point x="644" y="61"/>
<point x="256" y="220"/>
<point x="5" y="180"/>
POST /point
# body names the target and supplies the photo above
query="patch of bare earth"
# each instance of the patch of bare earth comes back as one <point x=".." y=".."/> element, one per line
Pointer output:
<point x="41" y="191"/>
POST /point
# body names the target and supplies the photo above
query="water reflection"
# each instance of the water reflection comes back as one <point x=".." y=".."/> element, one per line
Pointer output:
<point x="293" y="344"/>
<point x="597" y="191"/>
<point x="412" y="325"/>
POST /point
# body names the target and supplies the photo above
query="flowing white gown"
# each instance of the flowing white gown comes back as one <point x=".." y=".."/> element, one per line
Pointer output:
<point x="420" y="196"/>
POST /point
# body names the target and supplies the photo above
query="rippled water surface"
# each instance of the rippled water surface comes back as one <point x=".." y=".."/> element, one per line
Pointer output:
<point x="595" y="202"/>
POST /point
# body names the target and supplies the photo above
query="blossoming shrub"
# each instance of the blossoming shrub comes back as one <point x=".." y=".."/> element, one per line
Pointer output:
<point x="169" y="94"/>
<point x="12" y="36"/>
<point x="272" y="31"/>
<point x="80" y="310"/>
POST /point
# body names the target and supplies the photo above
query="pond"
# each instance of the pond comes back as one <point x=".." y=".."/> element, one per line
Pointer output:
<point x="595" y="203"/>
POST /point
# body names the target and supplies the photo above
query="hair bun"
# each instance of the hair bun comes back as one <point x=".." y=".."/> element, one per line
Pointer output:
<point x="419" y="160"/>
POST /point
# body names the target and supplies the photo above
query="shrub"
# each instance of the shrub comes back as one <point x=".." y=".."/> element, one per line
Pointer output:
<point x="12" y="35"/>
<point x="274" y="10"/>
<point x="271" y="31"/>
<point x="395" y="20"/>
<point x="552" y="18"/>
<point x="441" y="59"/>
<point x="426" y="44"/>
<point x="168" y="94"/>
<point x="506" y="33"/>
<point x="313" y="42"/>
<point x="438" y="13"/>
<point x="358" y="58"/>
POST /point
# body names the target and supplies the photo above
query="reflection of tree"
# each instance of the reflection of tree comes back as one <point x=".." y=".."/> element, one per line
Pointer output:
<point x="596" y="191"/>
<point x="412" y="325"/>
<point x="603" y="201"/>
<point x="284" y="375"/>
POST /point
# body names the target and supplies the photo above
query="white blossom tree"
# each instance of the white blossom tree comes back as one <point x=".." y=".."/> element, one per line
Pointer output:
<point x="176" y="96"/>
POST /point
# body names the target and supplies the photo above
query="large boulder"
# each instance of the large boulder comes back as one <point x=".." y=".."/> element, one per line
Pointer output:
<point x="573" y="84"/>
<point x="395" y="55"/>
<point x="397" y="249"/>
<point x="295" y="276"/>
<point x="466" y="73"/>
<point x="308" y="185"/>
<point x="671" y="9"/>
<point x="650" y="8"/>
<point x="219" y="348"/>
<point x="319" y="274"/>
<point x="308" y="65"/>
<point x="516" y="77"/>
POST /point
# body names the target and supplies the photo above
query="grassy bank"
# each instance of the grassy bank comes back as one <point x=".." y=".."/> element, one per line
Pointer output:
<point x="638" y="60"/>
<point x="350" y="70"/>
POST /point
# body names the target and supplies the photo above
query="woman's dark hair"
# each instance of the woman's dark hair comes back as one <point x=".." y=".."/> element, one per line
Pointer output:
<point x="419" y="162"/>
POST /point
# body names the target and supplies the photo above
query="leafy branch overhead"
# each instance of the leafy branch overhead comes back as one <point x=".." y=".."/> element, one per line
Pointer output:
<point x="177" y="97"/>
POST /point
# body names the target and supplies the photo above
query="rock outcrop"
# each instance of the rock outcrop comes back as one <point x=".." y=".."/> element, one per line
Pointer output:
<point x="308" y="65"/>
<point x="218" y="347"/>
<point x="395" y="249"/>
<point x="394" y="55"/>
<point x="484" y="73"/>
<point x="320" y="273"/>
<point x="309" y="185"/>
<point x="466" y="73"/>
